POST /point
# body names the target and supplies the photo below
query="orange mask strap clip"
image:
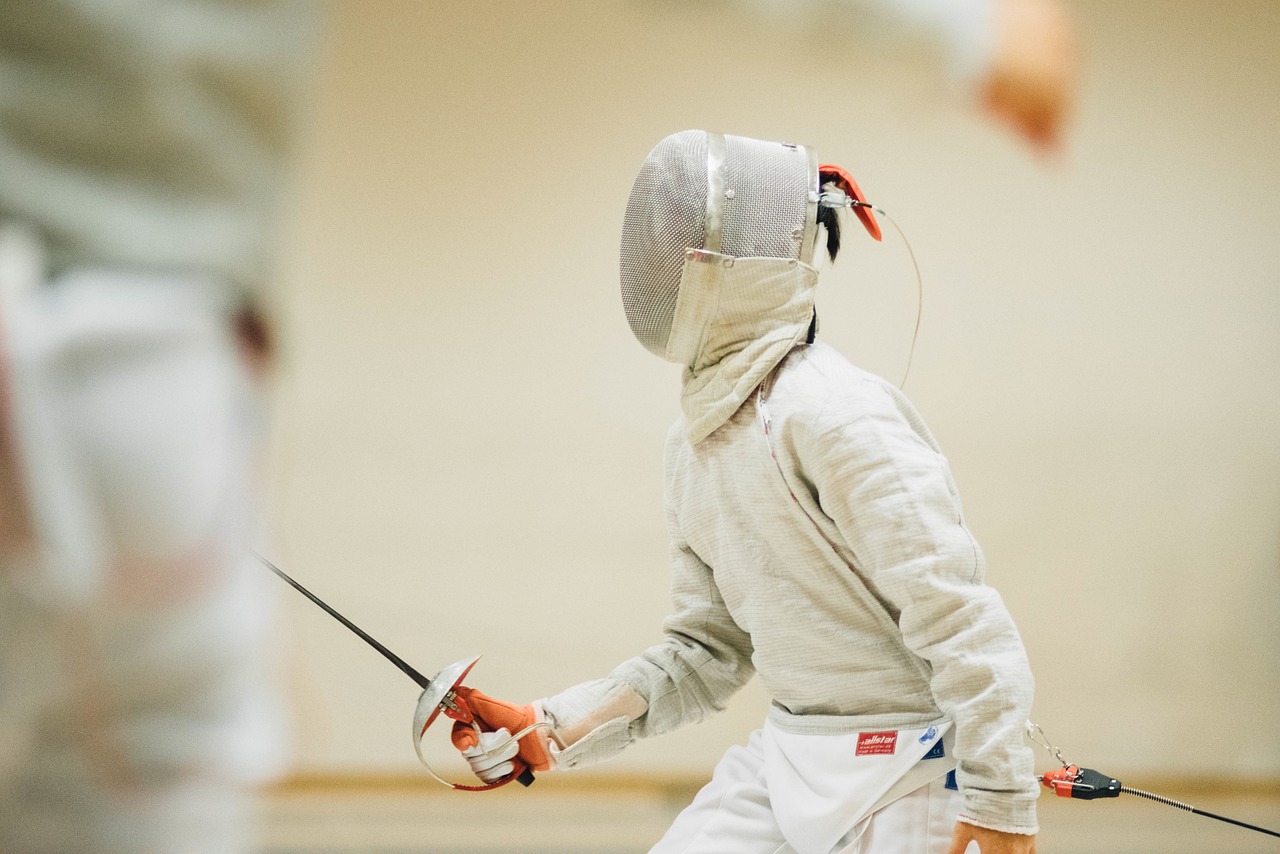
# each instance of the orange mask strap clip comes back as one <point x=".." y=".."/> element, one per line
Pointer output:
<point x="842" y="179"/>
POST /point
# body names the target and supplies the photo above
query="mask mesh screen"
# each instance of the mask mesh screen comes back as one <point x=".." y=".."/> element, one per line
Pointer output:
<point x="763" y="214"/>
<point x="766" y="215"/>
<point x="664" y="217"/>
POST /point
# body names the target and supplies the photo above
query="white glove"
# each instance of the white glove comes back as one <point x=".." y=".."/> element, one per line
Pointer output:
<point x="488" y="763"/>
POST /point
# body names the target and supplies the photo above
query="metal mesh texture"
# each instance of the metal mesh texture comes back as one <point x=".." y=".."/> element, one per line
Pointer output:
<point x="764" y="212"/>
<point x="664" y="217"/>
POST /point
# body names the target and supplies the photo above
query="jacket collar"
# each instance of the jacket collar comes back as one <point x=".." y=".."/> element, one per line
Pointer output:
<point x="735" y="320"/>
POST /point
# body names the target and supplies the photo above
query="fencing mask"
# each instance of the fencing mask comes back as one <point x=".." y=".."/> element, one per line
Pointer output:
<point x="725" y="194"/>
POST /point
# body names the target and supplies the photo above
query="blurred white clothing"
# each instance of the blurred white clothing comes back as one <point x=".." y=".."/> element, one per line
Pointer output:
<point x="152" y="134"/>
<point x="136" y="702"/>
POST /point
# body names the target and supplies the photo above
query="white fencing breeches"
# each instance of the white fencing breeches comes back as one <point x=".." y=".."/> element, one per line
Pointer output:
<point x="135" y="704"/>
<point x="734" y="812"/>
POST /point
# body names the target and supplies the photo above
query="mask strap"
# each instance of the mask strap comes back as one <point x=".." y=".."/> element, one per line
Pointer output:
<point x="840" y="176"/>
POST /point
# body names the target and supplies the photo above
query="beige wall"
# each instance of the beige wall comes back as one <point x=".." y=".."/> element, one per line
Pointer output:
<point x="467" y="450"/>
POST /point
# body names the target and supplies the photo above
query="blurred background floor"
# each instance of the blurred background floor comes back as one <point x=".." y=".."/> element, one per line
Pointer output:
<point x="579" y="816"/>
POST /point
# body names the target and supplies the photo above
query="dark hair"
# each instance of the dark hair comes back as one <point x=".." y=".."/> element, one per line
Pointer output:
<point x="829" y="217"/>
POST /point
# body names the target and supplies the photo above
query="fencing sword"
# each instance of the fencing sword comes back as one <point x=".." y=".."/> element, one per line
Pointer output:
<point x="439" y="693"/>
<point x="1072" y="781"/>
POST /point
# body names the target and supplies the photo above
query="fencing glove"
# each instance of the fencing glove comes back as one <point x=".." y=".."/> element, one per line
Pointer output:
<point x="490" y="758"/>
<point x="490" y="753"/>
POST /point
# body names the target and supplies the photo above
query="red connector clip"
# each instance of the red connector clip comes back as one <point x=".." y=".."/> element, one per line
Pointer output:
<point x="1082" y="783"/>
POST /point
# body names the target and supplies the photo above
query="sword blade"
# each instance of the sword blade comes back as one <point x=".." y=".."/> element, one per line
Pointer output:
<point x="423" y="682"/>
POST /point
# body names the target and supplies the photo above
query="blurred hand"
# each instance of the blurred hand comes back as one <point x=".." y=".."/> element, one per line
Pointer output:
<point x="1032" y="82"/>
<point x="990" y="841"/>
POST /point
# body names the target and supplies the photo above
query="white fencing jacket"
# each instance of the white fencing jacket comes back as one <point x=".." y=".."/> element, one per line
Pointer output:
<point x="816" y="539"/>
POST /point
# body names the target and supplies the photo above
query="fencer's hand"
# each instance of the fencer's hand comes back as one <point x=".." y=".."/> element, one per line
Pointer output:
<point x="1032" y="80"/>
<point x="990" y="841"/>
<point x="490" y="758"/>
<point x="497" y="714"/>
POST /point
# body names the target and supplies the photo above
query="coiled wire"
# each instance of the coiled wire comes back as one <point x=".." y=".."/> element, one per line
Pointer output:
<point x="1160" y="799"/>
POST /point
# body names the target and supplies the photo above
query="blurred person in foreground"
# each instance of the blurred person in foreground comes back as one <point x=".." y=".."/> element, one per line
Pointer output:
<point x="142" y="147"/>
<point x="142" y="155"/>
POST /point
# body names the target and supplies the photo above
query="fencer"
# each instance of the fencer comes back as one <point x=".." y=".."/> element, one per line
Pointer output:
<point x="817" y="539"/>
<point x="141" y="159"/>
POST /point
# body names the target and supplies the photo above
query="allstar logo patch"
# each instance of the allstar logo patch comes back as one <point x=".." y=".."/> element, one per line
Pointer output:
<point x="877" y="743"/>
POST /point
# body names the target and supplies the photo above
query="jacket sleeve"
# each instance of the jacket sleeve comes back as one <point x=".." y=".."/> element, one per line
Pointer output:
<point x="881" y="478"/>
<point x="703" y="660"/>
<point x="705" y="657"/>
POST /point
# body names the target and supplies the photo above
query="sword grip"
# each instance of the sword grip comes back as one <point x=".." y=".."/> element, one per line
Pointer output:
<point x="459" y="710"/>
